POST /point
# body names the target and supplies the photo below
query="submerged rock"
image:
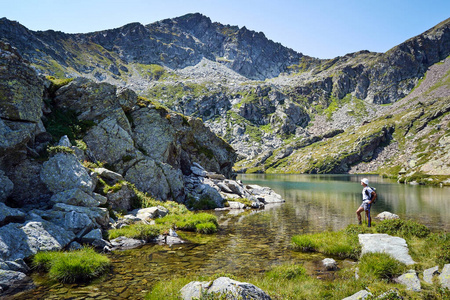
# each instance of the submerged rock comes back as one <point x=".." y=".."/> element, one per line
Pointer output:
<point x="329" y="264"/>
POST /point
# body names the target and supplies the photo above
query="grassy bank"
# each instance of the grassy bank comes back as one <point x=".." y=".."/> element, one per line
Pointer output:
<point x="376" y="270"/>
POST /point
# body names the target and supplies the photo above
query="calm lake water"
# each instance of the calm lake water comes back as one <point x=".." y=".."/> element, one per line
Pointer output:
<point x="254" y="241"/>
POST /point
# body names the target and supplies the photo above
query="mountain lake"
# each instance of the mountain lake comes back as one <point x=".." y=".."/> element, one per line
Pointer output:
<point x="255" y="240"/>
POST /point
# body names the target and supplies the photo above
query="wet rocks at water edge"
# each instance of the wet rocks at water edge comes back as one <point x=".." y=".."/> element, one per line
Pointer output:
<point x="223" y="287"/>
<point x="201" y="184"/>
<point x="329" y="264"/>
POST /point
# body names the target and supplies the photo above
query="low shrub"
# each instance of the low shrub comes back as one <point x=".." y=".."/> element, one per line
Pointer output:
<point x="380" y="266"/>
<point x="403" y="228"/>
<point x="71" y="267"/>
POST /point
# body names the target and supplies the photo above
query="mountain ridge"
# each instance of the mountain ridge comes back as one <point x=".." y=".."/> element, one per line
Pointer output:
<point x="259" y="96"/>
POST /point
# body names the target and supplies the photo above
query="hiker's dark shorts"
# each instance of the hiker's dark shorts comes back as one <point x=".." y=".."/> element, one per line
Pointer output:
<point x="365" y="205"/>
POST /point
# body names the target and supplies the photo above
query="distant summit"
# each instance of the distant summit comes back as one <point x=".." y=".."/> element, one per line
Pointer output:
<point x="173" y="43"/>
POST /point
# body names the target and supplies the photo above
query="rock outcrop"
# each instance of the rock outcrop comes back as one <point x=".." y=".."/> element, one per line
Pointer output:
<point x="61" y="201"/>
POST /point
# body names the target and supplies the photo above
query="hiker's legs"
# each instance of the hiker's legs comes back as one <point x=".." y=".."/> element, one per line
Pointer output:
<point x="358" y="213"/>
<point x="369" y="219"/>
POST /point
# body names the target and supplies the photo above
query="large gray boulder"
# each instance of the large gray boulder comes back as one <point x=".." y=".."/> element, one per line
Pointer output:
<point x="109" y="142"/>
<point x="25" y="174"/>
<point x="223" y="286"/>
<point x="6" y="185"/>
<point x="384" y="243"/>
<point x="69" y="220"/>
<point x="21" y="89"/>
<point x="92" y="101"/>
<point x="76" y="197"/>
<point x="121" y="199"/>
<point x="18" y="241"/>
<point x="8" y="214"/>
<point x="159" y="179"/>
<point x="264" y="194"/>
<point x="98" y="215"/>
<point x="155" y="135"/>
<point x="63" y="172"/>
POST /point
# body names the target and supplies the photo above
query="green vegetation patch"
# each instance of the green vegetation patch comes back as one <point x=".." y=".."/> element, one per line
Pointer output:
<point x="57" y="83"/>
<point x="60" y="123"/>
<point x="380" y="266"/>
<point x="201" y="222"/>
<point x="52" y="150"/>
<point x="71" y="267"/>
<point x="403" y="228"/>
<point x="342" y="243"/>
<point x="138" y="231"/>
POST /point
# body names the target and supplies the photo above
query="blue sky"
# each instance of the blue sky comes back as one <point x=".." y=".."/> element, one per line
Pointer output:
<point x="318" y="28"/>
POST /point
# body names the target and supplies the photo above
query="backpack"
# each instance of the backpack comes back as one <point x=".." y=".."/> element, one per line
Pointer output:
<point x="370" y="194"/>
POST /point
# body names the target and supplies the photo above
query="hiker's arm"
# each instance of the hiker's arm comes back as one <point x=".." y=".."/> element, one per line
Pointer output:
<point x="374" y="196"/>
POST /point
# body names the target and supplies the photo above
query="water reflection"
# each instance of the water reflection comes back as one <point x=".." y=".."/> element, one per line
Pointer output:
<point x="254" y="241"/>
<point x="338" y="196"/>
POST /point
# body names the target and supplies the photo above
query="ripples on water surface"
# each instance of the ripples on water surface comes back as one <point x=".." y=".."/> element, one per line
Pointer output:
<point x="254" y="241"/>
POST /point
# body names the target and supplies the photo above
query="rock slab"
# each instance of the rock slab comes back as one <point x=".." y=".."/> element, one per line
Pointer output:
<point x="384" y="243"/>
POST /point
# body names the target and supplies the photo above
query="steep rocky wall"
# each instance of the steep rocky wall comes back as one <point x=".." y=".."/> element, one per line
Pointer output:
<point x="149" y="145"/>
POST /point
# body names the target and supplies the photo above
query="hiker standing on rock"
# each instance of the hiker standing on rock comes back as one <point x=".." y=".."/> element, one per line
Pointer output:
<point x="369" y="197"/>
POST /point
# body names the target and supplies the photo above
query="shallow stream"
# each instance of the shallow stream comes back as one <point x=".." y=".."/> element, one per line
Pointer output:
<point x="254" y="241"/>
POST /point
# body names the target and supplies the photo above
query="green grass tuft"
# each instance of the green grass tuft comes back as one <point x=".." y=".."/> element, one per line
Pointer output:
<point x="138" y="231"/>
<point x="343" y="244"/>
<point x="380" y="266"/>
<point x="71" y="267"/>
<point x="201" y="222"/>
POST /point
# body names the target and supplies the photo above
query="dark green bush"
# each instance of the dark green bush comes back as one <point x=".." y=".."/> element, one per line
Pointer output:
<point x="403" y="228"/>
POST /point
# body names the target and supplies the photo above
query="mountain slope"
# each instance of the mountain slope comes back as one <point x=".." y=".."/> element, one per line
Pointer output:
<point x="173" y="43"/>
<point x="216" y="72"/>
